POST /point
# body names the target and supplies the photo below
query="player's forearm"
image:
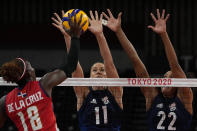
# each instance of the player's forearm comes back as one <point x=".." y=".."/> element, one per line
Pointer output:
<point x="107" y="57"/>
<point x="127" y="46"/>
<point x="170" y="52"/>
<point x="78" y="73"/>
<point x="175" y="68"/>
<point x="72" y="57"/>
<point x="139" y="67"/>
<point x="67" y="41"/>
<point x="104" y="49"/>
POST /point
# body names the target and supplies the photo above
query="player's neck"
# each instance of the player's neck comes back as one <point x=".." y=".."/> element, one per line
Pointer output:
<point x="94" y="88"/>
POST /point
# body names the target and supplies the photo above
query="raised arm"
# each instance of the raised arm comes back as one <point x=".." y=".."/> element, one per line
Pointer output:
<point x="177" y="72"/>
<point x="56" y="77"/>
<point x="97" y="29"/>
<point x="78" y="73"/>
<point x="139" y="68"/>
<point x="160" y="28"/>
<point x="58" y="24"/>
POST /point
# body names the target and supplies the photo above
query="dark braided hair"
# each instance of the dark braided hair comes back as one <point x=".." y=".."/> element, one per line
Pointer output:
<point x="11" y="71"/>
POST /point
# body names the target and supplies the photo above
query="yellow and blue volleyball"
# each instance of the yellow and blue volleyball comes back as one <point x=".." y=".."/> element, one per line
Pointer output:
<point x="78" y="14"/>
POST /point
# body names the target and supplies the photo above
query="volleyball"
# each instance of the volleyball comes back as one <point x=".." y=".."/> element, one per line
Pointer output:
<point x="78" y="13"/>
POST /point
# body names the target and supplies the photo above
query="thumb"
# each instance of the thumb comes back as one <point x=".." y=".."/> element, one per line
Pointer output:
<point x="89" y="28"/>
<point x="150" y="27"/>
<point x="63" y="13"/>
<point x="119" y="15"/>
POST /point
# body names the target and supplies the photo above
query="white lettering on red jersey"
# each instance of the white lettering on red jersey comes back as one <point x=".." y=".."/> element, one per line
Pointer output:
<point x="31" y="109"/>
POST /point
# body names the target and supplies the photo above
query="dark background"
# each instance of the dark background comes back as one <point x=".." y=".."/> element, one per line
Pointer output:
<point x="26" y="31"/>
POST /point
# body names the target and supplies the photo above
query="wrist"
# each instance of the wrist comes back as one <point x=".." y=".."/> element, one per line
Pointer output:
<point x="67" y="36"/>
<point x="99" y="34"/>
<point x="118" y="31"/>
<point x="163" y="34"/>
<point x="74" y="38"/>
<point x="74" y="33"/>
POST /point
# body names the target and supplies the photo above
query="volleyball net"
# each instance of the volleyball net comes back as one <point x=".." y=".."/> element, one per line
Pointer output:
<point x="124" y="82"/>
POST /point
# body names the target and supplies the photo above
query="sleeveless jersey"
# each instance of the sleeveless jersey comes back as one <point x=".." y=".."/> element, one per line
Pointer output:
<point x="30" y="108"/>
<point x="168" y="114"/>
<point x="100" y="112"/>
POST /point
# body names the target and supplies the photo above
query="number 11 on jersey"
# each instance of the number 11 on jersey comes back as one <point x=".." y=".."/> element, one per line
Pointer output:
<point x="104" y="115"/>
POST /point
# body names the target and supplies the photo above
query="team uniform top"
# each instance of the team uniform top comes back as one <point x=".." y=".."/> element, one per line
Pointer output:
<point x="168" y="114"/>
<point x="30" y="108"/>
<point x="100" y="112"/>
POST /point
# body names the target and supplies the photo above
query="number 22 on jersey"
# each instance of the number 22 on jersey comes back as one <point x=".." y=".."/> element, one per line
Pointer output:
<point x="163" y="117"/>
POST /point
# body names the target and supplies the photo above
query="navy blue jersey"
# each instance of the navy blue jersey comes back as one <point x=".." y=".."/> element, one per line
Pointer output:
<point x="99" y="112"/>
<point x="168" y="114"/>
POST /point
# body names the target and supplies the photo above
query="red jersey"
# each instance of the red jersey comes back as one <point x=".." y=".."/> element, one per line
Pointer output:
<point x="30" y="108"/>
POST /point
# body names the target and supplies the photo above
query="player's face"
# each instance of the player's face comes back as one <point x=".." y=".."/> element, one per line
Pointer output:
<point x="30" y="70"/>
<point x="168" y="91"/>
<point x="98" y="71"/>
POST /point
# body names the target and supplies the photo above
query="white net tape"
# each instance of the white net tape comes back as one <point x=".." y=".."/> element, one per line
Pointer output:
<point x="124" y="82"/>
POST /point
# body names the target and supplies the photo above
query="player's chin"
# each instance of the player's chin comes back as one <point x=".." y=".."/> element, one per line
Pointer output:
<point x="165" y="89"/>
<point x="101" y="88"/>
<point x="168" y="91"/>
<point x="100" y="76"/>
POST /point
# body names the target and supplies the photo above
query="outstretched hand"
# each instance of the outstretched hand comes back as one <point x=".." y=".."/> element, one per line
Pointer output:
<point x="113" y="23"/>
<point x="96" y="26"/>
<point x="160" y="22"/>
<point x="75" y="27"/>
<point x="58" y="23"/>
